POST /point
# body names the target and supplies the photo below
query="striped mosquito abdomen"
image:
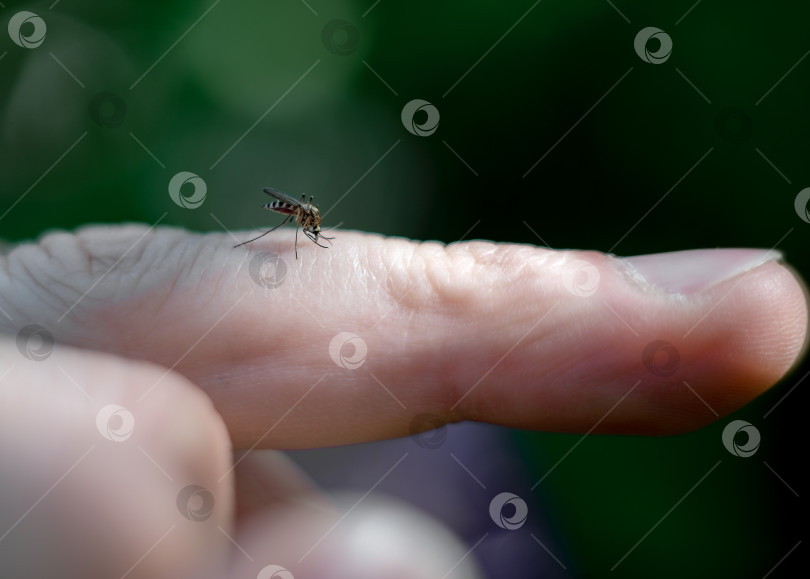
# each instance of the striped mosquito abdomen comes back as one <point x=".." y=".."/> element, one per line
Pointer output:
<point x="280" y="207"/>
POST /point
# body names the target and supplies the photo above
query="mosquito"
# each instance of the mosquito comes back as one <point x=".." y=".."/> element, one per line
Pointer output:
<point x="306" y="215"/>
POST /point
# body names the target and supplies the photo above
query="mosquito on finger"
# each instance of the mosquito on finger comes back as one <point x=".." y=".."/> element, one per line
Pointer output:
<point x="306" y="215"/>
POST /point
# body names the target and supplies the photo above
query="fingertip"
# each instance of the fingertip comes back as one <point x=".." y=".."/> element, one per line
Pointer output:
<point x="589" y="348"/>
<point x="374" y="537"/>
<point x="134" y="455"/>
<point x="708" y="354"/>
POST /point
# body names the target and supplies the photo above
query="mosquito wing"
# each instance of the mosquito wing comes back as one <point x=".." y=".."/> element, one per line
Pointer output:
<point x="283" y="197"/>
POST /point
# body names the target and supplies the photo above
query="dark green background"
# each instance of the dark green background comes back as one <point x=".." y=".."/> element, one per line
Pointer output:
<point x="614" y="167"/>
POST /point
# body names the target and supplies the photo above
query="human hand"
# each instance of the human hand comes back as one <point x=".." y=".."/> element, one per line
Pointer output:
<point x="515" y="335"/>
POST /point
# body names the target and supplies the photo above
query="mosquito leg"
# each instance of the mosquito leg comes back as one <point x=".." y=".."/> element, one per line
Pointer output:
<point x="314" y="239"/>
<point x="296" y="242"/>
<point x="319" y="236"/>
<point x="265" y="233"/>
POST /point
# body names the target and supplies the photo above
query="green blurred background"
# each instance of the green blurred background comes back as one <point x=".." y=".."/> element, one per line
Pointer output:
<point x="706" y="149"/>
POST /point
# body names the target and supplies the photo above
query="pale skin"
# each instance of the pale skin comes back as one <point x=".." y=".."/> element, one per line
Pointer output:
<point x="207" y="360"/>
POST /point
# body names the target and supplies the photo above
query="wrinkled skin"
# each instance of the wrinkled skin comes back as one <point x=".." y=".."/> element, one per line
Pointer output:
<point x="212" y="349"/>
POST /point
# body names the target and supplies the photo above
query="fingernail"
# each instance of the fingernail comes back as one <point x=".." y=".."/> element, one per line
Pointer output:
<point x="692" y="271"/>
